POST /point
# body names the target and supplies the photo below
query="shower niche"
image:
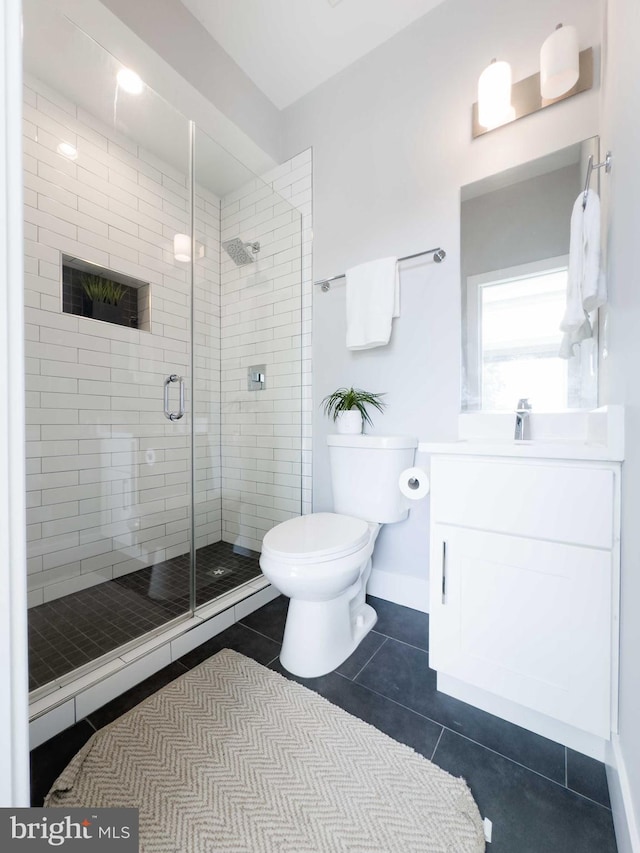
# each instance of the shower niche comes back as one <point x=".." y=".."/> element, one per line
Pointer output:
<point x="98" y="293"/>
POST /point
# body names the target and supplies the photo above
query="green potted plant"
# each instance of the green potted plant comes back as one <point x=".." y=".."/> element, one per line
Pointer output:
<point x="102" y="298"/>
<point x="347" y="407"/>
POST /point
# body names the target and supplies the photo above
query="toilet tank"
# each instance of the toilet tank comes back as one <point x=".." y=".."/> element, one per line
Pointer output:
<point x="364" y="475"/>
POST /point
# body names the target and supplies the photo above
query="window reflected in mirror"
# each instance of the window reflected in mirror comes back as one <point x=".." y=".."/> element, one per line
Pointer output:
<point x="515" y="254"/>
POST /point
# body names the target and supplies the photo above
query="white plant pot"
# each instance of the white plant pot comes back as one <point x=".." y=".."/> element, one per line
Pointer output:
<point x="349" y="423"/>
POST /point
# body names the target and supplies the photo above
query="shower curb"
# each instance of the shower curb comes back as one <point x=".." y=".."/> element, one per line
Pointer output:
<point x="78" y="696"/>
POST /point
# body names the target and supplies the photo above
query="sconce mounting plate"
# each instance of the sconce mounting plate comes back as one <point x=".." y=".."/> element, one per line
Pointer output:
<point x="526" y="97"/>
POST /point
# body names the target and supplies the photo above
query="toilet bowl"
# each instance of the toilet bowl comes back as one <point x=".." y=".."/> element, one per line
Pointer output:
<point x="322" y="561"/>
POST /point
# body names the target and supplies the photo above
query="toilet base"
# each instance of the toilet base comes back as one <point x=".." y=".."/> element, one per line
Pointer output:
<point x="320" y="635"/>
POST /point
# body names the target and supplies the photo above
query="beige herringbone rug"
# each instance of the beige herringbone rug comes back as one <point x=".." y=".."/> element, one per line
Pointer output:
<point x="233" y="758"/>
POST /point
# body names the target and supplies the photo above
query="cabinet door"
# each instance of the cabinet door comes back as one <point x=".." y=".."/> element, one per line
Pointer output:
<point x="525" y="619"/>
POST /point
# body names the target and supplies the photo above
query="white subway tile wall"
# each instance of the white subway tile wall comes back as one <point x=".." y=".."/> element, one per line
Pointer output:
<point x="108" y="475"/>
<point x="266" y="319"/>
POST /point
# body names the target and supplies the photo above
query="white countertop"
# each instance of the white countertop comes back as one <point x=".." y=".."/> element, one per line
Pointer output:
<point x="596" y="435"/>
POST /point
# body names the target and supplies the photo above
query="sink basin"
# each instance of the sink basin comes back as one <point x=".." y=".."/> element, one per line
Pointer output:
<point x="596" y="434"/>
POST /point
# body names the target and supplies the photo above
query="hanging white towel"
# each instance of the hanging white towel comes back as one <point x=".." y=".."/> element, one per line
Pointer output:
<point x="373" y="300"/>
<point x="586" y="283"/>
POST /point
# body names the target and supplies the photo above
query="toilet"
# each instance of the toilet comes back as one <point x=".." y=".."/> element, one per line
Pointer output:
<point x="322" y="561"/>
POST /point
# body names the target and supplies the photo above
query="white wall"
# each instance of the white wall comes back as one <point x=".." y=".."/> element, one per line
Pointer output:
<point x="108" y="477"/>
<point x="267" y="322"/>
<point x="621" y="134"/>
<point x="392" y="147"/>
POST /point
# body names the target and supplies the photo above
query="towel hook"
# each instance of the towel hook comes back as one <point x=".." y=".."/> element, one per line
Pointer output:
<point x="590" y="167"/>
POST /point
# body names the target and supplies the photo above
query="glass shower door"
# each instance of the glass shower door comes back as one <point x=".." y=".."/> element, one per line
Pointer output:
<point x="164" y="398"/>
<point x="108" y="351"/>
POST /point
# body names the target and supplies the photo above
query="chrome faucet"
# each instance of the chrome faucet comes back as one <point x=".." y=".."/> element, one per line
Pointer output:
<point x="522" y="420"/>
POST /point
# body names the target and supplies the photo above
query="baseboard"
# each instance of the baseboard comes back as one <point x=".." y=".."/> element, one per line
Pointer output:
<point x="624" y="818"/>
<point x="400" y="589"/>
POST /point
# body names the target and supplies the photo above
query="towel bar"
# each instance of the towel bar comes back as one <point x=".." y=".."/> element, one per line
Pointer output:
<point x="438" y="256"/>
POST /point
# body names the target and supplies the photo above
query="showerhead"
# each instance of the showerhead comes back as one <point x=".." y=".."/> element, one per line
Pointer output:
<point x="237" y="251"/>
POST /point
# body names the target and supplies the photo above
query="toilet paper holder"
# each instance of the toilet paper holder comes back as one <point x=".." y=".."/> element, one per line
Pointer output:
<point x="414" y="483"/>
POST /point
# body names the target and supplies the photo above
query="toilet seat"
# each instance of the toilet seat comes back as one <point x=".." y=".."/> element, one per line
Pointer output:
<point x="316" y="538"/>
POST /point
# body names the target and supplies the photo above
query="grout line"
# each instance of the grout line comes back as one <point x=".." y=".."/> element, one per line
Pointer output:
<point x="402" y="642"/>
<point x="259" y="633"/>
<point x="530" y="769"/>
<point x="371" y="658"/>
<point x="437" y="743"/>
<point x="273" y="660"/>
<point x="481" y="745"/>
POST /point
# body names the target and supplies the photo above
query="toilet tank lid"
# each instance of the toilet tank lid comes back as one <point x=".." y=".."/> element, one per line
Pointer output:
<point x="369" y="442"/>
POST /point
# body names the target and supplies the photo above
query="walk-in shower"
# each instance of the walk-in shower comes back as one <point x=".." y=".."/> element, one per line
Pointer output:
<point x="137" y="520"/>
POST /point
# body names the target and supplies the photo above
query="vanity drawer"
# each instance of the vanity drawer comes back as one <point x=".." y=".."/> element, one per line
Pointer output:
<point x="561" y="503"/>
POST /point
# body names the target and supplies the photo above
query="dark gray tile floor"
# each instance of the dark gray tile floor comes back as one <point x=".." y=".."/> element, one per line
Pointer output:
<point x="73" y="630"/>
<point x="540" y="797"/>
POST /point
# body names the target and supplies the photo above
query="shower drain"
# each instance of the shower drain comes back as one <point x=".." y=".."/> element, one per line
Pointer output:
<point x="218" y="572"/>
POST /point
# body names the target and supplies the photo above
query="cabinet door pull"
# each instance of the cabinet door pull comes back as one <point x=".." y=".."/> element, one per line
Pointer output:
<point x="444" y="572"/>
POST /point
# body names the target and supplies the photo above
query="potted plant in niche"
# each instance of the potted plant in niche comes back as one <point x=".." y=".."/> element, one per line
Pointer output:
<point x="103" y="297"/>
<point x="347" y="407"/>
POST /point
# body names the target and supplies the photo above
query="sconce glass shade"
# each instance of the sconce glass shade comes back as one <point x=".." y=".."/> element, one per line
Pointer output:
<point x="559" y="62"/>
<point x="182" y="248"/>
<point x="494" y="95"/>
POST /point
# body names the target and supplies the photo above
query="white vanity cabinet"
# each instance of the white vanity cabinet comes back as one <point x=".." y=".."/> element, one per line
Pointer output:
<point x="523" y="582"/>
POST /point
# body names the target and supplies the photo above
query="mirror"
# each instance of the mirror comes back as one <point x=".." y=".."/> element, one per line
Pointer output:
<point x="514" y="259"/>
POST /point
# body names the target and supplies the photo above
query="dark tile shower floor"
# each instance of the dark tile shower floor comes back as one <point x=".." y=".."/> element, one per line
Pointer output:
<point x="73" y="630"/>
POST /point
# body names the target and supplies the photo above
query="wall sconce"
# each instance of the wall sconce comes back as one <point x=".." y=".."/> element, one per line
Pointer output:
<point x="559" y="62"/>
<point x="564" y="72"/>
<point x="182" y="248"/>
<point x="494" y="95"/>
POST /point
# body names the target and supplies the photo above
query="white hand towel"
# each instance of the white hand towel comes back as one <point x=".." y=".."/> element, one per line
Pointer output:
<point x="594" y="284"/>
<point x="373" y="299"/>
<point x="586" y="284"/>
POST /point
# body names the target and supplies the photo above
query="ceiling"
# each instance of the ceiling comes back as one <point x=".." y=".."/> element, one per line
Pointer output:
<point x="288" y="47"/>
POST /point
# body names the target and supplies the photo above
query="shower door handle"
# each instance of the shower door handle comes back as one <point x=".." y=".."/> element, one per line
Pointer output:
<point x="173" y="416"/>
